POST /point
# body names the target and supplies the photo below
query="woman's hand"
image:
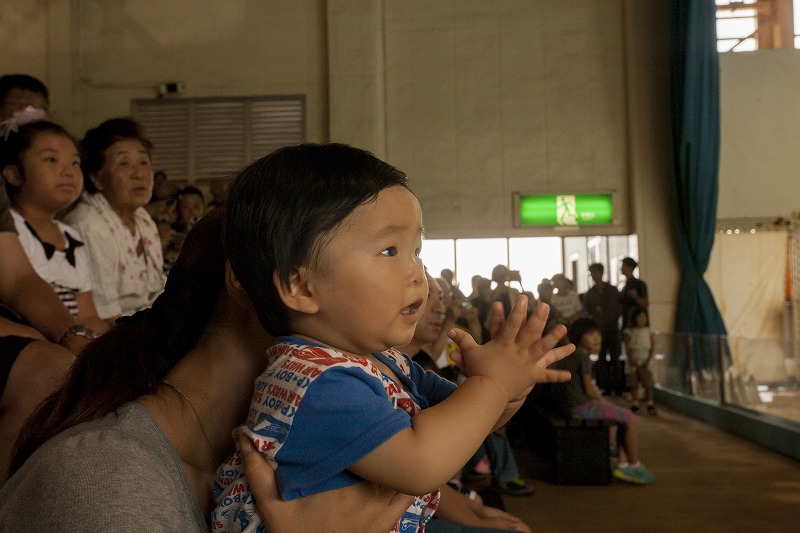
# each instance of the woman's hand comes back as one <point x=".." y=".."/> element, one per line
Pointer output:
<point x="9" y="327"/>
<point x="363" y="507"/>
<point x="498" y="519"/>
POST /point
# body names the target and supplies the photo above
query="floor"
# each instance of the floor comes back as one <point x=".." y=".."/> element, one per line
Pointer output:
<point x="707" y="481"/>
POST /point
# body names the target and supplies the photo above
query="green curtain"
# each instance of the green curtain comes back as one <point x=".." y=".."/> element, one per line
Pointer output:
<point x="694" y="84"/>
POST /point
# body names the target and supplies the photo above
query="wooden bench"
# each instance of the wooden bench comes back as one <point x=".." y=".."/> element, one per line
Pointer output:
<point x="578" y="449"/>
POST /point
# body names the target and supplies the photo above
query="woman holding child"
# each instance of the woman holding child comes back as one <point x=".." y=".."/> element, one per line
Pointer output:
<point x="147" y="412"/>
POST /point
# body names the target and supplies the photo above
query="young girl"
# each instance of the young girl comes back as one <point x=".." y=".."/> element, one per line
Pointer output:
<point x="579" y="398"/>
<point x="41" y="166"/>
<point x="639" y="348"/>
<point x="325" y="239"/>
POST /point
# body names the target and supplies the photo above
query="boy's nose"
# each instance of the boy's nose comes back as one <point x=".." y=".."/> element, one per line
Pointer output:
<point x="417" y="273"/>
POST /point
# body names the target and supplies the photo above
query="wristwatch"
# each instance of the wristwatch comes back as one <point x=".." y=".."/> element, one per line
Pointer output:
<point x="78" y="330"/>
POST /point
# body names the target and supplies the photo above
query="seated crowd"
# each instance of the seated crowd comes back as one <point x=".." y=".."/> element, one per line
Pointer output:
<point x="171" y="304"/>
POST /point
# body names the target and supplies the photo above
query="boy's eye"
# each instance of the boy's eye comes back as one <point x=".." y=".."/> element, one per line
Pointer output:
<point x="390" y="251"/>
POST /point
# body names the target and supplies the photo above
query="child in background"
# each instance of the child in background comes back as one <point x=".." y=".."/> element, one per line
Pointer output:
<point x="639" y="347"/>
<point x="41" y="167"/>
<point x="326" y="239"/>
<point x="579" y="398"/>
<point x="190" y="207"/>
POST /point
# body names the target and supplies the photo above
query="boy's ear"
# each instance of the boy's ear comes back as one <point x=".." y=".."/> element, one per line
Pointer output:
<point x="12" y="175"/>
<point x="297" y="295"/>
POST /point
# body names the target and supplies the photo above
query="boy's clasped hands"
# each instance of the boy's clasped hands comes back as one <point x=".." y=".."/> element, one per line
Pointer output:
<point x="517" y="356"/>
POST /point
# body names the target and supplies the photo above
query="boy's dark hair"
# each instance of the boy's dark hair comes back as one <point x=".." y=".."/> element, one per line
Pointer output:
<point x="597" y="267"/>
<point x="21" y="140"/>
<point x="99" y="139"/>
<point x="579" y="328"/>
<point x="630" y="262"/>
<point x="20" y="81"/>
<point x="283" y="209"/>
<point x="189" y="189"/>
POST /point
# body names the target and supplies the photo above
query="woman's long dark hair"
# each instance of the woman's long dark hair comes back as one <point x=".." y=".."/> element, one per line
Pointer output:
<point x="282" y="207"/>
<point x="132" y="358"/>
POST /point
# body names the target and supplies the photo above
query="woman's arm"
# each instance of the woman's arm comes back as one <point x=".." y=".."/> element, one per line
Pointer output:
<point x="457" y="508"/>
<point x="589" y="388"/>
<point x="28" y="294"/>
<point x="9" y="327"/>
<point x="362" y="507"/>
<point x="87" y="314"/>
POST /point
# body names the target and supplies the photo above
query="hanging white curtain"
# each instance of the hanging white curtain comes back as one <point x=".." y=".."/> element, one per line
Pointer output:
<point x="747" y="275"/>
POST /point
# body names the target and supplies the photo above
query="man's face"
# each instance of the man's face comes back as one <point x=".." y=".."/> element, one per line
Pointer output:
<point x="626" y="271"/>
<point x="432" y="319"/>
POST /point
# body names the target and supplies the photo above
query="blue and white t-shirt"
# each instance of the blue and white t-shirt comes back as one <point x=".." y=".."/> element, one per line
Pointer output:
<point x="315" y="411"/>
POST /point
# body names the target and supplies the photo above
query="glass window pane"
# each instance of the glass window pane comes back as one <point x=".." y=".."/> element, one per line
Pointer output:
<point x="536" y="258"/>
<point x="727" y="28"/>
<point x="478" y="256"/>
<point x="796" y="9"/>
<point x="739" y="13"/>
<point x="748" y="45"/>
<point x="438" y="254"/>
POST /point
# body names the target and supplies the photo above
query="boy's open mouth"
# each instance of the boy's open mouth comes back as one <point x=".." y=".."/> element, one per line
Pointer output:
<point x="412" y="309"/>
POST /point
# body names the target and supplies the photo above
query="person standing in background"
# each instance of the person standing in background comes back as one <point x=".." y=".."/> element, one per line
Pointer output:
<point x="634" y="293"/>
<point x="566" y="301"/>
<point x="602" y="304"/>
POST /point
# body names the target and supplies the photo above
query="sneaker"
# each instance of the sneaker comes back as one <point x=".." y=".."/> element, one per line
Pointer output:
<point x="638" y="475"/>
<point x="635" y="408"/>
<point x="651" y="410"/>
<point x="515" y="487"/>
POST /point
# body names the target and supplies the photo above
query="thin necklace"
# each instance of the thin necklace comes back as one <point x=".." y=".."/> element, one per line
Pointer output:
<point x="197" y="416"/>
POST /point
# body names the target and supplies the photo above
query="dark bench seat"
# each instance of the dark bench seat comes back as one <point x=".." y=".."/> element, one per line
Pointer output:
<point x="578" y="449"/>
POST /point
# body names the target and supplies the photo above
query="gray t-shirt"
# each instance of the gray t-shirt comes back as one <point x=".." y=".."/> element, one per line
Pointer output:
<point x="118" y="473"/>
<point x="571" y="394"/>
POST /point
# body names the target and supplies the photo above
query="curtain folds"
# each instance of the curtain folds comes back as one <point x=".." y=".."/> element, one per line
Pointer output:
<point x="694" y="65"/>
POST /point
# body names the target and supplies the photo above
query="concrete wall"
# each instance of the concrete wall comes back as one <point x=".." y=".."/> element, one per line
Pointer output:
<point x="474" y="99"/>
<point x="759" y="164"/>
<point x="97" y="56"/>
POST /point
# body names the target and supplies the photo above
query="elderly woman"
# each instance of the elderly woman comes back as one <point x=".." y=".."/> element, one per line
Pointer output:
<point x="121" y="238"/>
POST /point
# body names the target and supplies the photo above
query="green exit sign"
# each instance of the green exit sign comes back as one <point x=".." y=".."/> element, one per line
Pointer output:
<point x="565" y="209"/>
